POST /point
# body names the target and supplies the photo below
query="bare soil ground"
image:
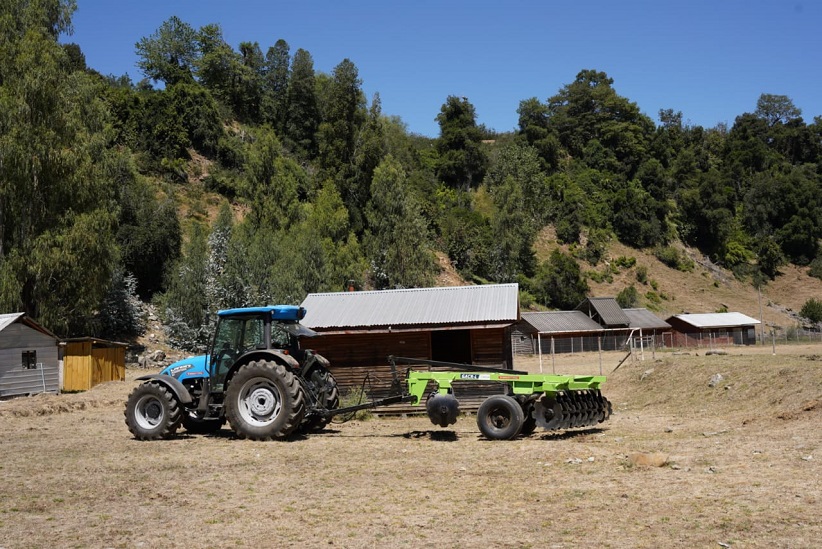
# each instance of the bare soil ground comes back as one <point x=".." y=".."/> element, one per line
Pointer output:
<point x="742" y="470"/>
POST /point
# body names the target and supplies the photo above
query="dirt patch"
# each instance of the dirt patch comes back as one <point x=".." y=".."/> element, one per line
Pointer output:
<point x="736" y="473"/>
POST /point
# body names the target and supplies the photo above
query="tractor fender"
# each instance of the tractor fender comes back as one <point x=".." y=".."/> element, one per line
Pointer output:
<point x="173" y="384"/>
<point x="267" y="354"/>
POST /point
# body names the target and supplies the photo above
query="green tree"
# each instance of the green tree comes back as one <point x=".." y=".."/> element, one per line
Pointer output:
<point x="513" y="231"/>
<point x="534" y="128"/>
<point x="343" y="114"/>
<point x="559" y="283"/>
<point x="58" y="208"/>
<point x="303" y="113"/>
<point x="170" y="54"/>
<point x="275" y="85"/>
<point x="397" y="240"/>
<point x="462" y="162"/>
<point x="589" y="110"/>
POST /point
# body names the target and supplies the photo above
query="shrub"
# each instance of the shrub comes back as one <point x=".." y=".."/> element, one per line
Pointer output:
<point x="642" y="274"/>
<point x="812" y="310"/>
<point x="816" y="268"/>
<point x="674" y="258"/>
<point x="628" y="297"/>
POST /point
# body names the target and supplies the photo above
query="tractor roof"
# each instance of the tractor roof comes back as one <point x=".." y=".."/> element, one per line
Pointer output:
<point x="277" y="312"/>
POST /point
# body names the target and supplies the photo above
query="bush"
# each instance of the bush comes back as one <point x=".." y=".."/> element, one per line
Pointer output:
<point x="812" y="310"/>
<point x="674" y="259"/>
<point x="642" y="274"/>
<point x="628" y="298"/>
<point x="816" y="268"/>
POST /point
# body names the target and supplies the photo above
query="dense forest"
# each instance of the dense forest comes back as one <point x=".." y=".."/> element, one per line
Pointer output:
<point x="232" y="177"/>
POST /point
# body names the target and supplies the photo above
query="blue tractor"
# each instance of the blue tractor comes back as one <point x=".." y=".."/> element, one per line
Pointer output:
<point x="255" y="375"/>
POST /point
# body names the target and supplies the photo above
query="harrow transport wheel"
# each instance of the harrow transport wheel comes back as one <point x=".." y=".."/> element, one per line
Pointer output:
<point x="264" y="401"/>
<point x="323" y="384"/>
<point x="500" y="417"/>
<point x="152" y="412"/>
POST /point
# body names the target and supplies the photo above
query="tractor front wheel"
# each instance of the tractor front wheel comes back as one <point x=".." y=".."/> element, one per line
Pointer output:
<point x="500" y="417"/>
<point x="264" y="401"/>
<point x="152" y="412"/>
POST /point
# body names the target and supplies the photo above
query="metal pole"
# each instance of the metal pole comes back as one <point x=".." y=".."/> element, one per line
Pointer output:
<point x="641" y="346"/>
<point x="761" y="324"/>
<point x="539" y="343"/>
<point x="553" y="364"/>
<point x="599" y="344"/>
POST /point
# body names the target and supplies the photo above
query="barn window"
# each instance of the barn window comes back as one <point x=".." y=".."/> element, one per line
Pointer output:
<point x="29" y="360"/>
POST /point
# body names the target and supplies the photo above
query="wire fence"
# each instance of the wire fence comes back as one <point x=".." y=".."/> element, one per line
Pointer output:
<point x="558" y="344"/>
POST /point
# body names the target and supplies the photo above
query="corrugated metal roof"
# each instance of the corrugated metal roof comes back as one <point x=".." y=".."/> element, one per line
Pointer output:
<point x="645" y="319"/>
<point x="716" y="320"/>
<point x="607" y="309"/>
<point x="418" y="306"/>
<point x="8" y="319"/>
<point x="561" y="322"/>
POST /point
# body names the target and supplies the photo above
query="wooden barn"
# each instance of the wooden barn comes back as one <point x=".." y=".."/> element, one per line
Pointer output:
<point x="89" y="361"/>
<point x="359" y="330"/>
<point x="709" y="329"/>
<point x="29" y="357"/>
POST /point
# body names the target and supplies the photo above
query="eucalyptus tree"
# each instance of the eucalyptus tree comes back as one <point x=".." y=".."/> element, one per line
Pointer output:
<point x="397" y="240"/>
<point x="58" y="191"/>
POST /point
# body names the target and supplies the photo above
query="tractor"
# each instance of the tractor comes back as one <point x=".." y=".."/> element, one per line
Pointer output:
<point x="254" y="375"/>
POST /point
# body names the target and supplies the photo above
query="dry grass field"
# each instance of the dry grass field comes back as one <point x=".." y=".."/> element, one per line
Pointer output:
<point x="741" y="469"/>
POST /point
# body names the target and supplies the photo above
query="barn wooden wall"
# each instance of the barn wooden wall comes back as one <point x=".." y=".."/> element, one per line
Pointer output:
<point x="359" y="359"/>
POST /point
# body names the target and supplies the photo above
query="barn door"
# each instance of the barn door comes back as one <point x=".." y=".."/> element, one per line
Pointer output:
<point x="451" y="346"/>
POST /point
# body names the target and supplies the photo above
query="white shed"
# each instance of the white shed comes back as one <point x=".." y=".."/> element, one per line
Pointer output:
<point x="29" y="357"/>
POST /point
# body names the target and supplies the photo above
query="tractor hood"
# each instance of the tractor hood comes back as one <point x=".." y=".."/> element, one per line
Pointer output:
<point x="191" y="367"/>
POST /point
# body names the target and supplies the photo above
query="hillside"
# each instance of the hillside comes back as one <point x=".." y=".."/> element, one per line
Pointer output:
<point x="707" y="288"/>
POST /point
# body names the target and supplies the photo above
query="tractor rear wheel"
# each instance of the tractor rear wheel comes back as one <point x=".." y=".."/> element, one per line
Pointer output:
<point x="152" y="412"/>
<point x="500" y="417"/>
<point x="324" y="386"/>
<point x="264" y="401"/>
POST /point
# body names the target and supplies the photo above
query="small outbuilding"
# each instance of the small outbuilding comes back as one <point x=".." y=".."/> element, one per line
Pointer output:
<point x="708" y="329"/>
<point x="462" y="324"/>
<point x="29" y="357"/>
<point x="89" y="361"/>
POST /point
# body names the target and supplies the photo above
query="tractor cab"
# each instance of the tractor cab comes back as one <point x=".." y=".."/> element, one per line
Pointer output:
<point x="247" y="330"/>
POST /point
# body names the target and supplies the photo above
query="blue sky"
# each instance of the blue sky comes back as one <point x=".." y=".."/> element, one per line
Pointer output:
<point x="709" y="59"/>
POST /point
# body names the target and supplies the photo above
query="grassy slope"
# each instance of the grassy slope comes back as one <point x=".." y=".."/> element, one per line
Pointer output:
<point x="704" y="290"/>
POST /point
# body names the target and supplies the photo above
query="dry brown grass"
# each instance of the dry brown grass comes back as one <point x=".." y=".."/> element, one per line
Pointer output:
<point x="742" y="469"/>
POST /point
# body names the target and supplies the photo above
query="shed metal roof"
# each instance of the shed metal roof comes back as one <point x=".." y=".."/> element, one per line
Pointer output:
<point x="716" y="320"/>
<point x="561" y="322"/>
<point x="607" y="309"/>
<point x="645" y="319"/>
<point x="492" y="303"/>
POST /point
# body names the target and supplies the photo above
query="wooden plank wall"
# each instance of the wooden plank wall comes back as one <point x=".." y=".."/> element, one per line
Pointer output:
<point x="14" y="379"/>
<point x="85" y="366"/>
